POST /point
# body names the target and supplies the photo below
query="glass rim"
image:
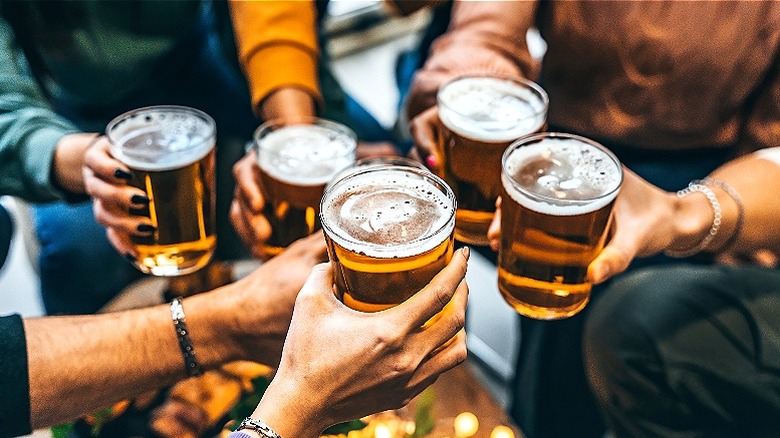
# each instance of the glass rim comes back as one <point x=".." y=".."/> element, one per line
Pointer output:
<point x="533" y="86"/>
<point x="532" y="138"/>
<point x="273" y="124"/>
<point x="439" y="183"/>
<point x="178" y="109"/>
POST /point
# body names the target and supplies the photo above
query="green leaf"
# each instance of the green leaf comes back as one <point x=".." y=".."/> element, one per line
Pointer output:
<point x="62" y="430"/>
<point x="344" y="428"/>
<point x="424" y="419"/>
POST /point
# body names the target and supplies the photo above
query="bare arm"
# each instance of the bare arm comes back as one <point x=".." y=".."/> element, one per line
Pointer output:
<point x="78" y="364"/>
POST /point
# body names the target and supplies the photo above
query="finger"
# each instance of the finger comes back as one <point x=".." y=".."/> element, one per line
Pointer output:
<point x="121" y="220"/>
<point x="612" y="260"/>
<point x="99" y="160"/>
<point x="121" y="197"/>
<point x="318" y="284"/>
<point x="494" y="231"/>
<point x="452" y="355"/>
<point x="424" y="130"/>
<point x="421" y="307"/>
<point x="253" y="229"/>
<point x="313" y="245"/>
<point x="122" y="243"/>
<point x="445" y="325"/>
<point x="248" y="182"/>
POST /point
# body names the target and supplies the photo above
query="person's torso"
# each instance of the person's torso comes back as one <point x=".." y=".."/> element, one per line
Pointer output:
<point x="658" y="74"/>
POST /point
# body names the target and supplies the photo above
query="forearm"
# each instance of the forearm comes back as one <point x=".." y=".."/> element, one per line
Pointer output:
<point x="277" y="45"/>
<point x="82" y="363"/>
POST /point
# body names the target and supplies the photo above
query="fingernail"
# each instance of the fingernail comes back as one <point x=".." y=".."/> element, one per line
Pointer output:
<point x="123" y="174"/>
<point x="466" y="252"/>
<point x="129" y="257"/>
<point x="431" y="161"/>
<point x="139" y="199"/>
<point x="146" y="228"/>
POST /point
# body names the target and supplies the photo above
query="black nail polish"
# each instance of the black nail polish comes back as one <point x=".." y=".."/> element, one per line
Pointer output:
<point x="130" y="258"/>
<point x="123" y="174"/>
<point x="139" y="199"/>
<point x="146" y="228"/>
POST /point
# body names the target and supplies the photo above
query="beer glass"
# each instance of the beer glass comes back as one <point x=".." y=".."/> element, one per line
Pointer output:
<point x="170" y="151"/>
<point x="296" y="163"/>
<point x="481" y="116"/>
<point x="557" y="196"/>
<point x="389" y="231"/>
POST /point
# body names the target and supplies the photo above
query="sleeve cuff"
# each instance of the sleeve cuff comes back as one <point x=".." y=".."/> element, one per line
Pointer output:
<point x="14" y="378"/>
<point x="38" y="159"/>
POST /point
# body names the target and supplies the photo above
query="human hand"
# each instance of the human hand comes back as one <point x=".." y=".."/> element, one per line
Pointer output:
<point x="264" y="299"/>
<point x="246" y="209"/>
<point x="645" y="223"/>
<point x="114" y="200"/>
<point x="339" y="364"/>
<point x="425" y="132"/>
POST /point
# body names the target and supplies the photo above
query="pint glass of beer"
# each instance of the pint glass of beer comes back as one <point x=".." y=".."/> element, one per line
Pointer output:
<point x="170" y="150"/>
<point x="389" y="231"/>
<point x="296" y="163"/>
<point x="481" y="116"/>
<point x="556" y="210"/>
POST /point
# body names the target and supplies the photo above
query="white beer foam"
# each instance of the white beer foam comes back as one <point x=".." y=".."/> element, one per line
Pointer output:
<point x="493" y="110"/>
<point x="387" y="214"/>
<point x="160" y="140"/>
<point x="567" y="170"/>
<point x="305" y="155"/>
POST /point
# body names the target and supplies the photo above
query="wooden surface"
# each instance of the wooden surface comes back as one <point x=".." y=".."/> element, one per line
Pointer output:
<point x="460" y="390"/>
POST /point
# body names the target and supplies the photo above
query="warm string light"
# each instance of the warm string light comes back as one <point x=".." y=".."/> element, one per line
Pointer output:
<point x="466" y="425"/>
<point x="502" y="432"/>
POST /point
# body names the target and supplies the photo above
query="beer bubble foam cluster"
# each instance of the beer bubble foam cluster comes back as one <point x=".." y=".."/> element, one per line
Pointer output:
<point x="159" y="140"/>
<point x="490" y="109"/>
<point x="305" y="155"/>
<point x="561" y="176"/>
<point x="387" y="213"/>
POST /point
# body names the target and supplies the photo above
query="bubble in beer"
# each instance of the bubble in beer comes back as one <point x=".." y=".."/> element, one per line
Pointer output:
<point x="384" y="209"/>
<point x="490" y="109"/>
<point x="562" y="169"/>
<point x="305" y="154"/>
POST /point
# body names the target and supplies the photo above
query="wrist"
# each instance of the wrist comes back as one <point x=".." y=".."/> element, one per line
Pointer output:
<point x="694" y="216"/>
<point x="283" y="408"/>
<point x="287" y="104"/>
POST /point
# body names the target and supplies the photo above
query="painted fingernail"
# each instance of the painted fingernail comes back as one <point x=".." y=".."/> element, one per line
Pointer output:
<point x="130" y="258"/>
<point x="139" y="199"/>
<point x="146" y="228"/>
<point x="123" y="174"/>
<point x="432" y="161"/>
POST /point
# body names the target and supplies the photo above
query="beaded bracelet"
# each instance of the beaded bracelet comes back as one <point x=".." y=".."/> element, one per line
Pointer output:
<point x="258" y="426"/>
<point x="185" y="344"/>
<point x="740" y="210"/>
<point x="697" y="186"/>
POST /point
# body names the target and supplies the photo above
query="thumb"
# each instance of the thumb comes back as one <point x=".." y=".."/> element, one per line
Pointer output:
<point x="612" y="260"/>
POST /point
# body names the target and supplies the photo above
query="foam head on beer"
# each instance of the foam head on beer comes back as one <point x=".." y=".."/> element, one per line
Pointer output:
<point x="493" y="110"/>
<point x="389" y="231"/>
<point x="558" y="191"/>
<point x="305" y="154"/>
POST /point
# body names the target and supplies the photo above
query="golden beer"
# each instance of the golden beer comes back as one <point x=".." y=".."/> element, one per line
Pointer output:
<point x="389" y="231"/>
<point x="296" y="162"/>
<point x="481" y="116"/>
<point x="557" y="197"/>
<point x="170" y="151"/>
